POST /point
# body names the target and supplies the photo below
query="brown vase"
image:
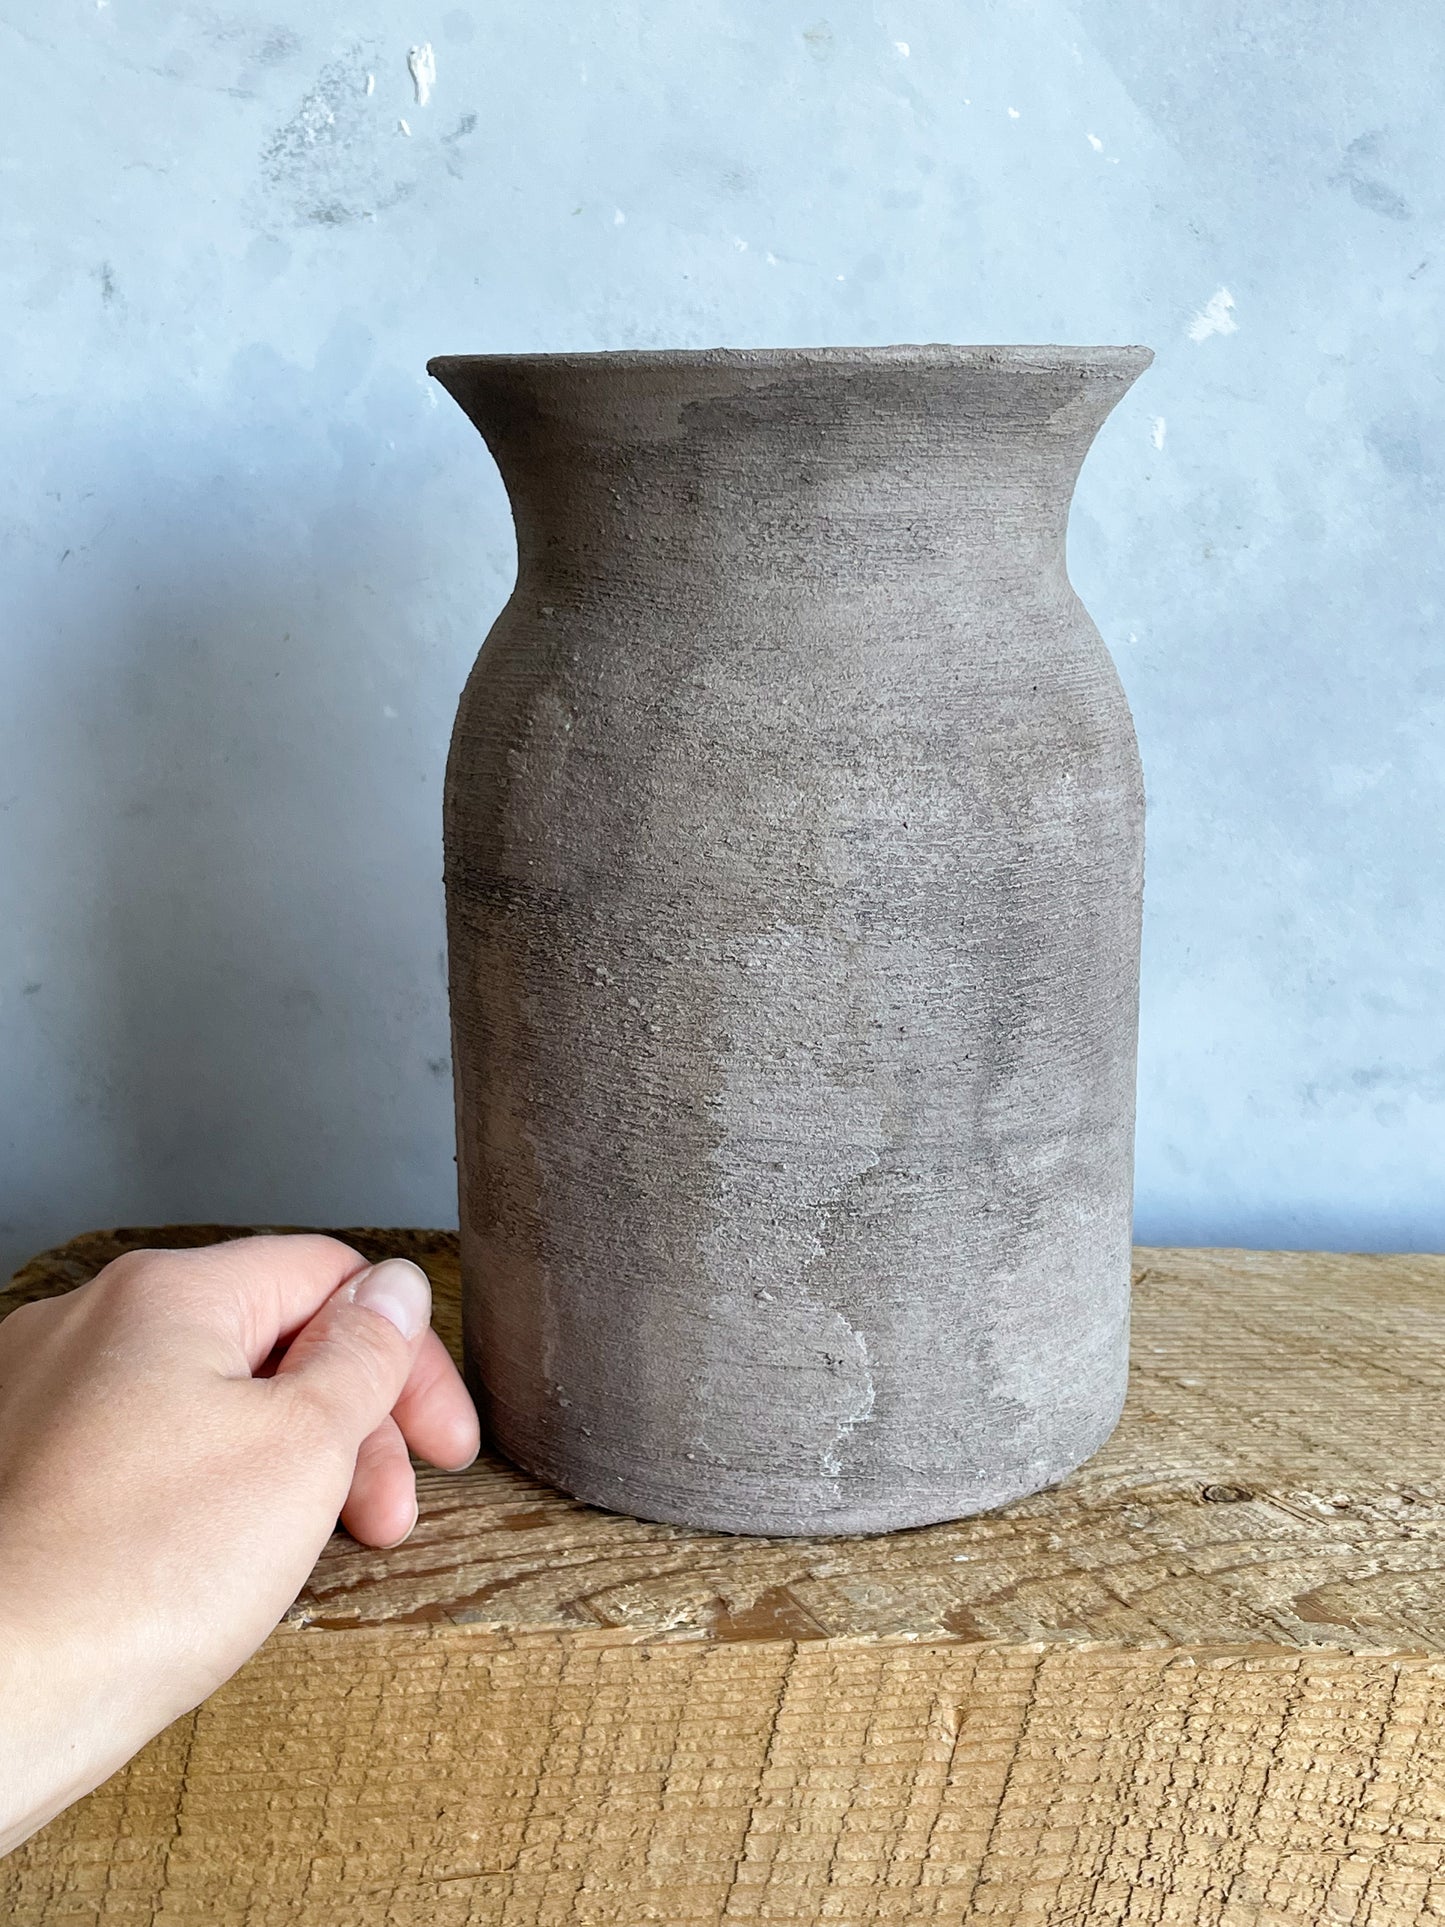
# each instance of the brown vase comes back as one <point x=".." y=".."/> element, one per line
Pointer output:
<point x="794" y="850"/>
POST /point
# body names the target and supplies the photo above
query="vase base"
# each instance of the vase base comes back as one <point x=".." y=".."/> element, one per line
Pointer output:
<point x="862" y="1517"/>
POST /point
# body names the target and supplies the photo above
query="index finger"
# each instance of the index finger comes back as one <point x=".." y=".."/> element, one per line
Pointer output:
<point x="255" y="1293"/>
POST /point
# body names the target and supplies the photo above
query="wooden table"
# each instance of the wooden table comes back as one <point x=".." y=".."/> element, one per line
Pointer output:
<point x="1201" y="1682"/>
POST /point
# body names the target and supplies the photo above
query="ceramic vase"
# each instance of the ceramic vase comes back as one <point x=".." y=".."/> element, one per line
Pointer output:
<point x="794" y="855"/>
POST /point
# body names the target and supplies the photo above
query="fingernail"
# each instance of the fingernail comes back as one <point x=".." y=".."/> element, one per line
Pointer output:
<point x="399" y="1291"/>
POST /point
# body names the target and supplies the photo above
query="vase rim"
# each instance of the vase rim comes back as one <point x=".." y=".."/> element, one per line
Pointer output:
<point x="1116" y="360"/>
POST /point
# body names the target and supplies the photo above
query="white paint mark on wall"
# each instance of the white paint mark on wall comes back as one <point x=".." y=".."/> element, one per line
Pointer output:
<point x="1216" y="317"/>
<point x="422" y="65"/>
<point x="619" y="219"/>
<point x="740" y="244"/>
<point x="403" y="128"/>
<point x="371" y="84"/>
<point x="1156" y="433"/>
<point x="315" y="121"/>
<point x="902" y="49"/>
<point x="1013" y="113"/>
<point x="771" y="259"/>
<point x="1095" y="143"/>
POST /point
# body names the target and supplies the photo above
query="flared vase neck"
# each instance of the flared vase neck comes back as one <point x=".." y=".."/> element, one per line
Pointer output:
<point x="841" y="464"/>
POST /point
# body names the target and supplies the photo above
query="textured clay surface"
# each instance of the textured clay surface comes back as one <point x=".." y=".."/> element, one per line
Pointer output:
<point x="794" y="861"/>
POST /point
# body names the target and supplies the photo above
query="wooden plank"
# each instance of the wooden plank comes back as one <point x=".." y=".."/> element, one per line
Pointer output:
<point x="1203" y="1681"/>
<point x="456" y="1778"/>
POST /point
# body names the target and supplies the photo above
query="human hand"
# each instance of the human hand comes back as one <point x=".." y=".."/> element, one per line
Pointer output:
<point x="177" y="1440"/>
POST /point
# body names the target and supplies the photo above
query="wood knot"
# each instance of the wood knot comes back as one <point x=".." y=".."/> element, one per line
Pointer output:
<point x="1225" y="1494"/>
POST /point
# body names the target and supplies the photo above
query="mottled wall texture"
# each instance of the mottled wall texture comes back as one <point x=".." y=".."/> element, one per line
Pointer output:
<point x="249" y="550"/>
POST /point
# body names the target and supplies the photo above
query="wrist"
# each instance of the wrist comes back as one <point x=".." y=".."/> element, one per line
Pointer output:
<point x="27" y="1762"/>
<point x="61" y="1732"/>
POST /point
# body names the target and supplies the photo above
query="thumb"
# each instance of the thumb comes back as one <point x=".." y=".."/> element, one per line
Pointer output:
<point x="354" y="1357"/>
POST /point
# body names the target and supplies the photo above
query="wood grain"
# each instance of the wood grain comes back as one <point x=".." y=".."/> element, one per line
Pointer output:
<point x="1203" y="1681"/>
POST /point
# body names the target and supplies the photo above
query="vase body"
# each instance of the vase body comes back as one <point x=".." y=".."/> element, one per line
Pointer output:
<point x="794" y="856"/>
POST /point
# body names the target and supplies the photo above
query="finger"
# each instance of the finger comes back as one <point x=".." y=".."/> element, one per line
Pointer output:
<point x="279" y="1283"/>
<point x="250" y="1293"/>
<point x="435" y="1410"/>
<point x="353" y="1358"/>
<point x="380" y="1509"/>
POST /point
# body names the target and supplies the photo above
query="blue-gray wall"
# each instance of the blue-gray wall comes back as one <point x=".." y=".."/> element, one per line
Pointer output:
<point x="248" y="551"/>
